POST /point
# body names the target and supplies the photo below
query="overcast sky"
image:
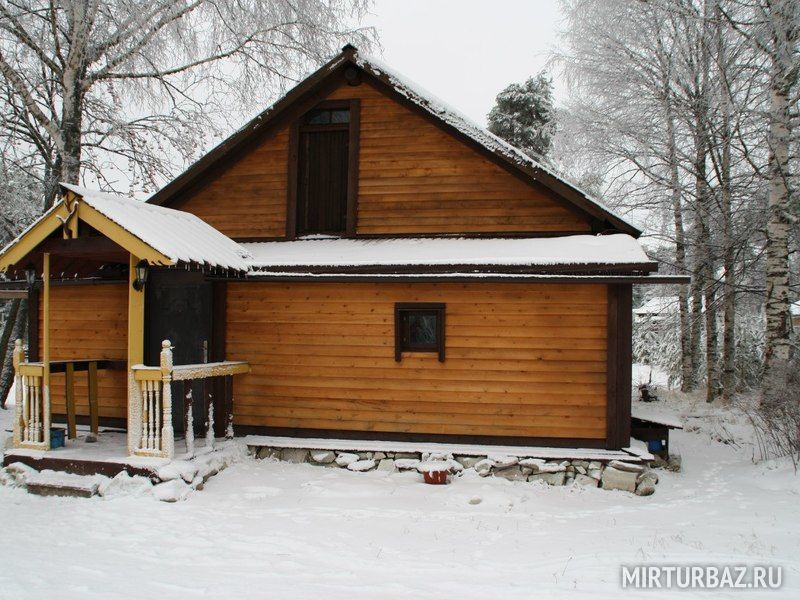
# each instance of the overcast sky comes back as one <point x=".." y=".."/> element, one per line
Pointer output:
<point x="466" y="51"/>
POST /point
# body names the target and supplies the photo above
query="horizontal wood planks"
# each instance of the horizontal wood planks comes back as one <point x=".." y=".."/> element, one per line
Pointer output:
<point x="246" y="197"/>
<point x="522" y="360"/>
<point x="415" y="178"/>
<point x="89" y="321"/>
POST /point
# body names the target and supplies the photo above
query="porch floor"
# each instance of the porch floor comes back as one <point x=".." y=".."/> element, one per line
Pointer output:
<point x="107" y="456"/>
<point x="632" y="454"/>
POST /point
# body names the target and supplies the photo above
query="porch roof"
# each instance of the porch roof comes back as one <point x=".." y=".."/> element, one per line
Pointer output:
<point x="160" y="235"/>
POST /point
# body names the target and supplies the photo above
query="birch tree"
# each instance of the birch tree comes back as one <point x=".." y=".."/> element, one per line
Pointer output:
<point x="773" y="26"/>
<point x="668" y="92"/>
<point x="96" y="83"/>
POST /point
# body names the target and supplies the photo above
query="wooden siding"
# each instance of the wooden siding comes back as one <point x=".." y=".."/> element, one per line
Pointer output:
<point x="89" y="321"/>
<point x="246" y="198"/>
<point x="413" y="179"/>
<point x="522" y="360"/>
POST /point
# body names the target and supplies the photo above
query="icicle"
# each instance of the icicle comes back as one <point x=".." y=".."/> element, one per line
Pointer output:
<point x="189" y="426"/>
<point x="210" y="430"/>
<point x="229" y="430"/>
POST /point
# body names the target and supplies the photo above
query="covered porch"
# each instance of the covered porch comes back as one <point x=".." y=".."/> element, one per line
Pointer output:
<point x="102" y="347"/>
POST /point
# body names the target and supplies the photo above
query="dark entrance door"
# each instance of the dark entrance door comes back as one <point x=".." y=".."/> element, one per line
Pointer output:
<point x="178" y="308"/>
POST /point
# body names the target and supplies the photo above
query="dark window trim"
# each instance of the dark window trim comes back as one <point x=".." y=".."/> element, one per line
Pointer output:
<point x="401" y="307"/>
<point x="354" y="128"/>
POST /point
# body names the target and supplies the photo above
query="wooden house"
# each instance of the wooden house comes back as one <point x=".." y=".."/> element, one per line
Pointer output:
<point x="358" y="261"/>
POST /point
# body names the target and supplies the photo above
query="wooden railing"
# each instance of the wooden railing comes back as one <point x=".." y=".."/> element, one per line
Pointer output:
<point x="151" y="421"/>
<point x="32" y="397"/>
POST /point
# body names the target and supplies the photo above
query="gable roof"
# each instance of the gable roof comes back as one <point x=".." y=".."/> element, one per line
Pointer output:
<point x="334" y="73"/>
<point x="158" y="234"/>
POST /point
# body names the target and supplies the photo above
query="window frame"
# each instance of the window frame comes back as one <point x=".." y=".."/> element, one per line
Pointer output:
<point x="353" y="128"/>
<point x="404" y="308"/>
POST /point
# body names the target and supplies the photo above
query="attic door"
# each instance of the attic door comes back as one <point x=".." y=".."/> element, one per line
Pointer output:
<point x="323" y="169"/>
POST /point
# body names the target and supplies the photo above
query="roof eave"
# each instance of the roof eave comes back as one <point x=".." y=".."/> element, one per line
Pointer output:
<point x="348" y="57"/>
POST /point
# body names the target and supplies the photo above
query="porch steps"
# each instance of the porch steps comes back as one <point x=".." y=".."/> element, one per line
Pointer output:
<point x="58" y="483"/>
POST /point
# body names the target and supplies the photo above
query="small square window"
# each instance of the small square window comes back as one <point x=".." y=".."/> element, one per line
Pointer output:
<point x="419" y="327"/>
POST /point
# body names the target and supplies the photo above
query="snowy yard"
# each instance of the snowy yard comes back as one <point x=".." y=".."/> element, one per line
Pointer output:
<point x="268" y="529"/>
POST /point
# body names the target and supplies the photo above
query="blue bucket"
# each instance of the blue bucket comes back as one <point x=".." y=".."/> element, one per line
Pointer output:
<point x="57" y="435"/>
<point x="655" y="446"/>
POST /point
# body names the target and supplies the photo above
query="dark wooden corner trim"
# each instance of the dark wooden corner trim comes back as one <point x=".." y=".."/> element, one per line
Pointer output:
<point x="219" y="299"/>
<point x="400" y="308"/>
<point x="291" y="182"/>
<point x="618" y="374"/>
<point x="354" y="143"/>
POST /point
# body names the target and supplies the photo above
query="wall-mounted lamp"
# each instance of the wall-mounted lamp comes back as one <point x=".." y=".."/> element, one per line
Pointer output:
<point x="141" y="275"/>
<point x="30" y="275"/>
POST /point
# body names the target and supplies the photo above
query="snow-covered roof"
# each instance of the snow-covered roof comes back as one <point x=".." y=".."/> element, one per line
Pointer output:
<point x="425" y="100"/>
<point x="452" y="116"/>
<point x="178" y="235"/>
<point x="590" y="251"/>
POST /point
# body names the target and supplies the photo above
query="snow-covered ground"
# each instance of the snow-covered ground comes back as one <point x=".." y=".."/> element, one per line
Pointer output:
<point x="263" y="529"/>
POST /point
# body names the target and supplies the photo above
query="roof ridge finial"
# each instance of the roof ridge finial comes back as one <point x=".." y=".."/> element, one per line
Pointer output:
<point x="348" y="48"/>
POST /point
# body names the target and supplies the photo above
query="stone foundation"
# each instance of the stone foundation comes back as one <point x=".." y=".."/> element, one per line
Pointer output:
<point x="634" y="477"/>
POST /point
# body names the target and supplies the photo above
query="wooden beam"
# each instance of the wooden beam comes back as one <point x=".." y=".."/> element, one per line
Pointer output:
<point x="35" y="235"/>
<point x="217" y="354"/>
<point x="354" y="134"/>
<point x="70" y="229"/>
<point x="94" y="409"/>
<point x="86" y="247"/>
<point x="46" y="346"/>
<point x="122" y="237"/>
<point x="33" y="324"/>
<point x="618" y="377"/>
<point x="13" y="294"/>
<point x="69" y="378"/>
<point x="135" y="353"/>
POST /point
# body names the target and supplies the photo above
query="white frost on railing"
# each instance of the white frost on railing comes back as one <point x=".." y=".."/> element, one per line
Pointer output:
<point x="210" y="428"/>
<point x="189" y="425"/>
<point x="32" y="410"/>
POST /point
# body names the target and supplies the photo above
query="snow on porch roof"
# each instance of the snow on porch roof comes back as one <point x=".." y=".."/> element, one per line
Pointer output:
<point x="178" y="235"/>
<point x="593" y="252"/>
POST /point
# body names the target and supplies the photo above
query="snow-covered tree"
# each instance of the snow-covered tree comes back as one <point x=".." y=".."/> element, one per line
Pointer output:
<point x="673" y="96"/>
<point x="524" y="115"/>
<point x="92" y="84"/>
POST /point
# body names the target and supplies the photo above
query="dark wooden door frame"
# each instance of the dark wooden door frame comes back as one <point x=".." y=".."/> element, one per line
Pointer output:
<point x="354" y="128"/>
<point x="176" y="279"/>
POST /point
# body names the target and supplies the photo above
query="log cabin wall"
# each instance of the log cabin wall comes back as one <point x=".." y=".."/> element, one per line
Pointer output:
<point x="521" y="360"/>
<point x="414" y="178"/>
<point x="246" y="198"/>
<point x="89" y="321"/>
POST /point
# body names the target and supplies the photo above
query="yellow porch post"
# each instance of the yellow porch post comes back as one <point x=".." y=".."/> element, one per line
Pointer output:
<point x="46" y="349"/>
<point x="135" y="356"/>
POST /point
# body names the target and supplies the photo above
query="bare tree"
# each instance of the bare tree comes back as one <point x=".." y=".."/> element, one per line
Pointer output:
<point x="671" y="95"/>
<point x="95" y="83"/>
